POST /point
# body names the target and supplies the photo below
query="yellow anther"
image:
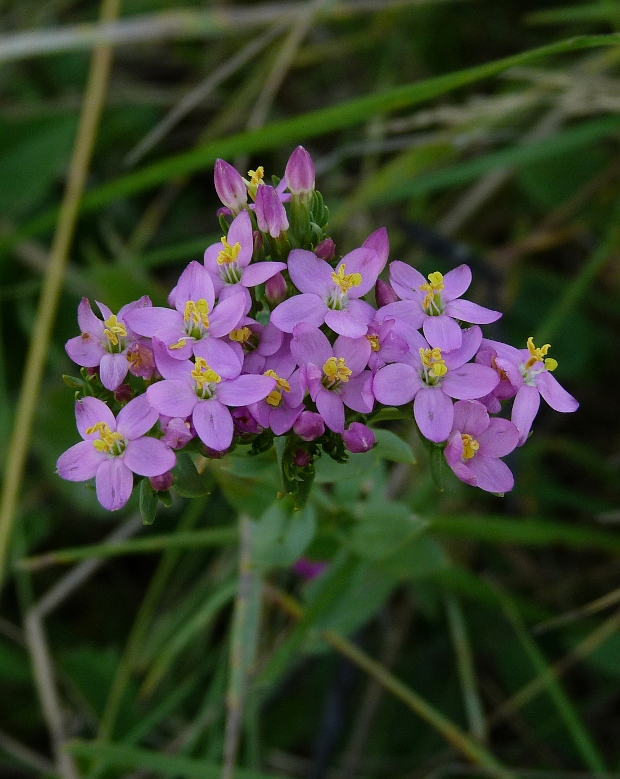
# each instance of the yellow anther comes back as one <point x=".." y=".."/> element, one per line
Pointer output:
<point x="256" y="179"/>
<point x="335" y="369"/>
<point x="241" y="335"/>
<point x="196" y="312"/>
<point x="203" y="374"/>
<point x="470" y="446"/>
<point x="113" y="329"/>
<point x="275" y="396"/>
<point x="551" y="364"/>
<point x="434" y="286"/>
<point x="538" y="355"/>
<point x="433" y="362"/>
<point x="280" y="382"/>
<point x="374" y="342"/>
<point x="346" y="280"/>
<point x="107" y="438"/>
<point x="229" y="253"/>
<point x="179" y="344"/>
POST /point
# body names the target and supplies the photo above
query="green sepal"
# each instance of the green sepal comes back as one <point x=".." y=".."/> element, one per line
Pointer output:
<point x="148" y="502"/>
<point x="188" y="483"/>
<point x="224" y="226"/>
<point x="296" y="481"/>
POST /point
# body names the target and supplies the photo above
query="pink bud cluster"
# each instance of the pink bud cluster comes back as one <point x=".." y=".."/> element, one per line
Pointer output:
<point x="273" y="334"/>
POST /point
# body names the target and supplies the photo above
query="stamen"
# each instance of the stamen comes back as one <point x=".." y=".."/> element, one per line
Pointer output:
<point x="108" y="441"/>
<point x="434" y="287"/>
<point x="203" y="375"/>
<point x="346" y="281"/>
<point x="470" y="446"/>
<point x="229" y="253"/>
<point x="538" y="355"/>
<point x="336" y="372"/>
<point x="113" y="329"/>
<point x="256" y="179"/>
<point x="241" y="335"/>
<point x="275" y="396"/>
<point x="433" y="362"/>
<point x="196" y="312"/>
<point x="179" y="344"/>
<point x="374" y="342"/>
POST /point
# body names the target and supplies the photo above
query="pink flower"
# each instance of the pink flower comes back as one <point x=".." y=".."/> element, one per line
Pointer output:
<point x="299" y="173"/>
<point x="114" y="449"/>
<point x="109" y="344"/>
<point x="284" y="404"/>
<point x="431" y="380"/>
<point x="529" y="371"/>
<point x="335" y="377"/>
<point x="475" y="445"/>
<point x="358" y="438"/>
<point x="435" y="304"/>
<point x="230" y="186"/>
<point x="270" y="214"/>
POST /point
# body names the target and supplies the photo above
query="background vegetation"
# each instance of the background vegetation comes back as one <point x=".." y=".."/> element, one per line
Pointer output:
<point x="479" y="636"/>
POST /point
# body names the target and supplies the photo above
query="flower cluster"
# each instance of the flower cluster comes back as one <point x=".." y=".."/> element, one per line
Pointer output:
<point x="272" y="336"/>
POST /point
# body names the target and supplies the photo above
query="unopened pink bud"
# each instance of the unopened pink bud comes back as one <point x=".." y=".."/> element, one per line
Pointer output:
<point x="301" y="458"/>
<point x="358" y="438"/>
<point x="309" y="425"/>
<point x="177" y="432"/>
<point x="163" y="482"/>
<point x="384" y="293"/>
<point x="270" y="213"/>
<point x="123" y="393"/>
<point x="230" y="186"/>
<point x="299" y="172"/>
<point x="275" y="290"/>
<point x="325" y="250"/>
<point x="244" y="422"/>
<point x="379" y="241"/>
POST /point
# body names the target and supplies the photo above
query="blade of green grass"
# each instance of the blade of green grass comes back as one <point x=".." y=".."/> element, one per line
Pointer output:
<point x="299" y="128"/>
<point x="592" y="12"/>
<point x="582" y="741"/>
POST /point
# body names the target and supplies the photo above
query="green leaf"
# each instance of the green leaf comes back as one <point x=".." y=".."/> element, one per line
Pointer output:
<point x="328" y="471"/>
<point x="392" y="447"/>
<point x="423" y="556"/>
<point x="437" y="464"/>
<point x="148" y="502"/>
<point x="382" y="528"/>
<point x="282" y="534"/>
<point x="188" y="483"/>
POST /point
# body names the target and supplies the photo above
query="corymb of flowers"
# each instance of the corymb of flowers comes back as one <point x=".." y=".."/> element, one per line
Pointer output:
<point x="272" y="340"/>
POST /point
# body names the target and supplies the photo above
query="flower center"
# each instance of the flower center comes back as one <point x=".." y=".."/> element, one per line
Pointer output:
<point x="206" y="379"/>
<point x="109" y="441"/>
<point x="229" y="253"/>
<point x="470" y="446"/>
<point x="114" y="331"/>
<point x="196" y="321"/>
<point x="346" y="280"/>
<point x="241" y="335"/>
<point x="335" y="373"/>
<point x="433" y="366"/>
<point x="275" y="396"/>
<point x="256" y="179"/>
<point x="432" y="300"/>
<point x="374" y="342"/>
<point x="538" y="355"/>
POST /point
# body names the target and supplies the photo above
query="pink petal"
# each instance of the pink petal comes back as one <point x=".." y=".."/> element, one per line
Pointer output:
<point x="406" y="281"/>
<point x="149" y="456"/>
<point x="226" y="315"/>
<point x="380" y="242"/>
<point x="88" y="412"/>
<point x="433" y="412"/>
<point x="525" y="408"/>
<point x="472" y="338"/>
<point x="136" y="418"/>
<point x="454" y="448"/>
<point x="87" y="321"/>
<point x="172" y="397"/>
<point x="147" y="321"/>
<point x="456" y="282"/>
<point x="396" y="384"/>
<point x="361" y="310"/>
<point x="470" y="417"/>
<point x="308" y="273"/>
<point x="260" y="272"/>
<point x="170" y="367"/>
<point x="499" y="439"/>
<point x="214" y="425"/>
<point x="245" y="389"/>
<point x="467" y="311"/>
<point x="143" y="302"/>
<point x="282" y="418"/>
<point x="492" y="475"/>
<point x="114" y="483"/>
<point x="443" y="332"/>
<point x="331" y="408"/>
<point x="345" y="323"/>
<point x="368" y="264"/>
<point x="469" y="382"/>
<point x="237" y="289"/>
<point x="355" y="352"/>
<point x="555" y="395"/>
<point x="307" y="308"/>
<point x="194" y="284"/>
<point x="408" y="311"/>
<point x="85" y="350"/>
<point x="310" y="345"/>
<point x="220" y="355"/>
<point x="357" y="393"/>
<point x="240" y="231"/>
<point x="112" y="370"/>
<point x="80" y="462"/>
<point x="270" y="339"/>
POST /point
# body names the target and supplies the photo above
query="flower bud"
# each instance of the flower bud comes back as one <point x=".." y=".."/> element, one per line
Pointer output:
<point x="213" y="454"/>
<point x="299" y="172"/>
<point x="270" y="213"/>
<point x="301" y="458"/>
<point x="384" y="293"/>
<point x="309" y="425"/>
<point x="163" y="482"/>
<point x="244" y="422"/>
<point x="257" y="242"/>
<point x="123" y="393"/>
<point x="230" y="186"/>
<point x="177" y="432"/>
<point x="325" y="250"/>
<point x="275" y="290"/>
<point x="358" y="438"/>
